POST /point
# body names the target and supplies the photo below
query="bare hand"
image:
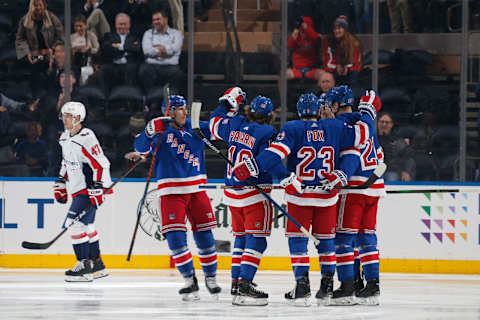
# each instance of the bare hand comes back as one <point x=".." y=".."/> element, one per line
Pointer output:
<point x="3" y="109"/>
<point x="31" y="59"/>
<point x="406" y="176"/>
<point x="116" y="45"/>
<point x="33" y="106"/>
<point x="134" y="156"/>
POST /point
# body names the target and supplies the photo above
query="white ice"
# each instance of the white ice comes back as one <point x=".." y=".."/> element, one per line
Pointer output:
<point x="152" y="294"/>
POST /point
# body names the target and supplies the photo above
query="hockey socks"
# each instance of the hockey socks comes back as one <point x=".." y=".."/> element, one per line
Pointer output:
<point x="326" y="256"/>
<point x="94" y="248"/>
<point x="207" y="253"/>
<point x="345" y="257"/>
<point x="177" y="242"/>
<point x="369" y="256"/>
<point x="299" y="256"/>
<point x="254" y="248"/>
<point x="238" y="248"/>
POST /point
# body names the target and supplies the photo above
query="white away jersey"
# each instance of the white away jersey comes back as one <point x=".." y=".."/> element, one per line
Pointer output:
<point x="83" y="161"/>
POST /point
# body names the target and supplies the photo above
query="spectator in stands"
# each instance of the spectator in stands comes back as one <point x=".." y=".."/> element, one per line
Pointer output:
<point x="342" y="54"/>
<point x="162" y="46"/>
<point x="84" y="47"/>
<point x="304" y="43"/>
<point x="140" y="13"/>
<point x="38" y="32"/>
<point x="397" y="150"/>
<point x="121" y="53"/>
<point x="9" y="107"/>
<point x="33" y="151"/>
<point x="325" y="83"/>
<point x="99" y="13"/>
<point x="400" y="16"/>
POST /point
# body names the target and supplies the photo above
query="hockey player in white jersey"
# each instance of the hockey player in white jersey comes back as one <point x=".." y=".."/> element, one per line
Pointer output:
<point x="86" y="171"/>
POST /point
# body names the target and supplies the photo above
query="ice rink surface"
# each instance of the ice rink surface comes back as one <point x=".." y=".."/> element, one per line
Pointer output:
<point x="152" y="294"/>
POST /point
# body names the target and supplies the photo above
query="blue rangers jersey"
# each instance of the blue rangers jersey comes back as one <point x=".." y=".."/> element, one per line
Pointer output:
<point x="245" y="140"/>
<point x="311" y="148"/>
<point x="180" y="163"/>
<point x="366" y="161"/>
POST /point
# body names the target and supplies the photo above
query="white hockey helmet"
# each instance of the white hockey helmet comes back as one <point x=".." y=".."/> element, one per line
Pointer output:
<point x="75" y="109"/>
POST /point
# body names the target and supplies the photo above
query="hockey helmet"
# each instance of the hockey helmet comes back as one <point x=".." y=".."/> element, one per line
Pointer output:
<point x="341" y="94"/>
<point x="262" y="105"/>
<point x="75" y="109"/>
<point x="173" y="102"/>
<point x="308" y="105"/>
<point x="234" y="96"/>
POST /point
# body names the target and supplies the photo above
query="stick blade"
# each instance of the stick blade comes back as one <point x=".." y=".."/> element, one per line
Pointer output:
<point x="35" y="246"/>
<point x="196" y="109"/>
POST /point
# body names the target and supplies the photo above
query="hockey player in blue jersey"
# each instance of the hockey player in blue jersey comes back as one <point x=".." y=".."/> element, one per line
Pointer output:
<point x="251" y="212"/>
<point x="312" y="150"/>
<point x="180" y="170"/>
<point x="357" y="209"/>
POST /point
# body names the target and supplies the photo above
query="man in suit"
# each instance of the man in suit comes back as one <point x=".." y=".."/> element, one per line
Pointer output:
<point x="122" y="51"/>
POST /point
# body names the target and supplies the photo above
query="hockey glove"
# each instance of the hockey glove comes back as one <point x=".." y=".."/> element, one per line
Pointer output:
<point x="234" y="96"/>
<point x="60" y="191"/>
<point x="96" y="195"/>
<point x="336" y="178"/>
<point x="370" y="104"/>
<point x="246" y="169"/>
<point x="154" y="126"/>
<point x="292" y="184"/>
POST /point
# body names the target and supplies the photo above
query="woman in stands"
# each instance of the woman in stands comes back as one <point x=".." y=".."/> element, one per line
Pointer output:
<point x="342" y="54"/>
<point x="38" y="32"/>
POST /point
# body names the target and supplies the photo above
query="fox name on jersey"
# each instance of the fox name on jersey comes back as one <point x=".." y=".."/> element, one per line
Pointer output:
<point x="83" y="148"/>
<point x="311" y="148"/>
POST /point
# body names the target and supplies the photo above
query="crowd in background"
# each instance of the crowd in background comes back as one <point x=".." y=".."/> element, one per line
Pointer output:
<point x="125" y="53"/>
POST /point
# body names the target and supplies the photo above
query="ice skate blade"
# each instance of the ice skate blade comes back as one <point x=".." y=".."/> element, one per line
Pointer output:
<point x="247" y="301"/>
<point x="324" y="301"/>
<point x="100" y="274"/>
<point x="300" y="302"/>
<point x="84" y="278"/>
<point x="369" y="301"/>
<point x="344" y="301"/>
<point x="194" y="296"/>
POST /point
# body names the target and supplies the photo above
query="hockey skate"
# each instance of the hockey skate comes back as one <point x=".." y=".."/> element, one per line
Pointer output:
<point x="324" y="294"/>
<point x="212" y="286"/>
<point x="370" y="294"/>
<point x="248" y="295"/>
<point x="359" y="285"/>
<point x="345" y="295"/>
<point x="234" y="290"/>
<point x="98" y="269"/>
<point x="300" y="295"/>
<point x="190" y="291"/>
<point x="81" y="272"/>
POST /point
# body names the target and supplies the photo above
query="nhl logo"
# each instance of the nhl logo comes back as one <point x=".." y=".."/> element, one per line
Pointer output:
<point x="257" y="224"/>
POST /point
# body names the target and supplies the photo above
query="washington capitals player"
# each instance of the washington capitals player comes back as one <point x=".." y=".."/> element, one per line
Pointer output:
<point x="357" y="209"/>
<point x="180" y="170"/>
<point x="87" y="171"/>
<point x="312" y="150"/>
<point x="251" y="212"/>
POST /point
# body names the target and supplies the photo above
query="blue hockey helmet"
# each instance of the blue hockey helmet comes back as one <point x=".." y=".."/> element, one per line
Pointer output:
<point x="262" y="105"/>
<point x="308" y="105"/>
<point x="173" y="102"/>
<point x="341" y="94"/>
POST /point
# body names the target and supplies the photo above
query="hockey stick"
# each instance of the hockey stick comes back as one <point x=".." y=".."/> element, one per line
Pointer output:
<point x="195" y="118"/>
<point x="42" y="246"/>
<point x="139" y="211"/>
<point x="377" y="173"/>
